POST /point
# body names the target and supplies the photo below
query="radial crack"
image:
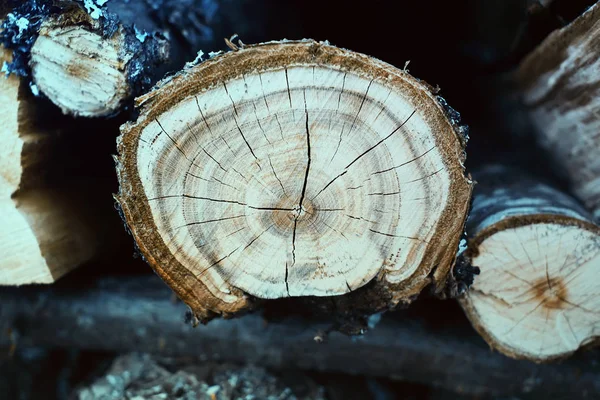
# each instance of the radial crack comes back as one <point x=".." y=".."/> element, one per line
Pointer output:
<point x="287" y="286"/>
<point x="238" y="125"/>
<point x="276" y="177"/>
<point x="382" y="140"/>
<point x="303" y="194"/>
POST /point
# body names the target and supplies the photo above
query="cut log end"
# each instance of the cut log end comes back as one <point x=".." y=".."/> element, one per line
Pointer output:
<point x="536" y="295"/>
<point x="84" y="72"/>
<point x="293" y="169"/>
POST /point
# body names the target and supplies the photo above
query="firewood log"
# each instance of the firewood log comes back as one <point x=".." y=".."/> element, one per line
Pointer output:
<point x="560" y="83"/>
<point x="91" y="66"/>
<point x="41" y="234"/>
<point x="539" y="255"/>
<point x="92" y="58"/>
<point x="291" y="169"/>
<point x="54" y="216"/>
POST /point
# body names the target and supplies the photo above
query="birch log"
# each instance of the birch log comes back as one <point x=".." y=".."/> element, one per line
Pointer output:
<point x="91" y="66"/>
<point x="539" y="255"/>
<point x="560" y="81"/>
<point x="292" y="169"/>
<point x="91" y="58"/>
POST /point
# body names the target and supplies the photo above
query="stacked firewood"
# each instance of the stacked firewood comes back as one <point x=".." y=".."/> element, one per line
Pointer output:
<point x="297" y="169"/>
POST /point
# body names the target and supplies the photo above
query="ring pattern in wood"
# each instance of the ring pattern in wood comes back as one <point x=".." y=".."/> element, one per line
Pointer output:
<point x="536" y="296"/>
<point x="293" y="169"/>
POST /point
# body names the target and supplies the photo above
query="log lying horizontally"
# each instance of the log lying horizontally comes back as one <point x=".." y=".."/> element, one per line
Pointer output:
<point x="539" y="254"/>
<point x="561" y="88"/>
<point x="294" y="169"/>
<point x="90" y="58"/>
<point x="90" y="67"/>
<point x="136" y="314"/>
<point x="45" y="231"/>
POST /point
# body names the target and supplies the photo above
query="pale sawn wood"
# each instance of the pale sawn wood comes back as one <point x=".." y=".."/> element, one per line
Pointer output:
<point x="84" y="70"/>
<point x="539" y="255"/>
<point x="44" y="231"/>
<point x="292" y="169"/>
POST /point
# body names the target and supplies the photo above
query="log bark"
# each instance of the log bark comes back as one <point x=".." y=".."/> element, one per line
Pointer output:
<point x="122" y="314"/>
<point x="46" y="229"/>
<point x="539" y="253"/>
<point x="92" y="58"/>
<point x="90" y="66"/>
<point x="561" y="89"/>
<point x="293" y="169"/>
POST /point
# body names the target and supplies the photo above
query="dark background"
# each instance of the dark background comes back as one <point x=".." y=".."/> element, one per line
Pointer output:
<point x="467" y="48"/>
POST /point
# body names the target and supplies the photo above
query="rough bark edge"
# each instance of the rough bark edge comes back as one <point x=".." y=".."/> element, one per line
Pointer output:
<point x="472" y="251"/>
<point x="194" y="79"/>
<point x="547" y="56"/>
<point x="141" y="56"/>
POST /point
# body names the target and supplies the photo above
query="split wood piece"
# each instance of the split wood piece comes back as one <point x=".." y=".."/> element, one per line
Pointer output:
<point x="90" y="67"/>
<point x="294" y="169"/>
<point x="561" y="89"/>
<point x="44" y="232"/>
<point x="539" y="255"/>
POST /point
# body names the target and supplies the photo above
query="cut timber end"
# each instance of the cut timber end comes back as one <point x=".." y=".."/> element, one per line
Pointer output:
<point x="560" y="83"/>
<point x="82" y="71"/>
<point x="539" y="255"/>
<point x="44" y="232"/>
<point x="293" y="169"/>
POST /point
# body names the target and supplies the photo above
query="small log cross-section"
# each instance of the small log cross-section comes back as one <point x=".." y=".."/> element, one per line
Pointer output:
<point x="293" y="169"/>
<point x="560" y="83"/>
<point x="87" y="66"/>
<point x="539" y="254"/>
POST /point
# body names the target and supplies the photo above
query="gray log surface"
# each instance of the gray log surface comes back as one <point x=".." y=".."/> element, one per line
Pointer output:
<point x="139" y="314"/>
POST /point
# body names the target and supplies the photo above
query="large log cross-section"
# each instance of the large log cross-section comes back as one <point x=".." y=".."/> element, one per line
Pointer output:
<point x="294" y="169"/>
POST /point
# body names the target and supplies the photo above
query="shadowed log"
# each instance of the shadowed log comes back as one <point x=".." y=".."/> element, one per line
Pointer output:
<point x="294" y="169"/>
<point x="539" y="255"/>
<point x="91" y="66"/>
<point x="561" y="89"/>
<point x="91" y="58"/>
<point x="45" y="231"/>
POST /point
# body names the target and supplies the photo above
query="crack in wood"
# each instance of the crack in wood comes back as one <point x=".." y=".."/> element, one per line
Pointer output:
<point x="364" y="153"/>
<point x="383" y="194"/>
<point x="254" y="240"/>
<point x="259" y="124"/>
<point x="211" y="220"/>
<point x="303" y="194"/>
<point x="424" y="177"/>
<point x="275" y="173"/>
<point x="225" y="184"/>
<point x="361" y="106"/>
<point x="403" y="164"/>
<point x="175" y="143"/>
<point x="238" y="125"/>
<point x="383" y="140"/>
<point x="287" y="82"/>
<point x="287" y="286"/>
<point x="217" y="262"/>
<point x="202" y="115"/>
<point x="188" y="196"/>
